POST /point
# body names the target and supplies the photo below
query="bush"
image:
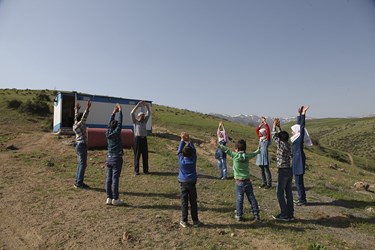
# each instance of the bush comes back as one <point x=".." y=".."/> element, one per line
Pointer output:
<point x="42" y="96"/>
<point x="36" y="108"/>
<point x="14" y="104"/>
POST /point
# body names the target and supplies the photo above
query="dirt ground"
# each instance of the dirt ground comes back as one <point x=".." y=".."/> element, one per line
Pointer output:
<point x="40" y="209"/>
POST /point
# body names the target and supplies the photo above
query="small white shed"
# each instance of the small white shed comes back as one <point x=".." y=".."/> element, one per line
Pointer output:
<point x="100" y="111"/>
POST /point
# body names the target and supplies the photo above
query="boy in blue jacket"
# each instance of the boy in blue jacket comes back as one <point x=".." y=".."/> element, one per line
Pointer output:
<point x="187" y="177"/>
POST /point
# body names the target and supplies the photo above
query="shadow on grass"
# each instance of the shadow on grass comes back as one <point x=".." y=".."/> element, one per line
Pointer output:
<point x="250" y="224"/>
<point x="158" y="207"/>
<point x="164" y="195"/>
<point x="102" y="190"/>
<point x="205" y="176"/>
<point x="294" y="188"/>
<point x="164" y="173"/>
<point x="339" y="221"/>
<point x="344" y="203"/>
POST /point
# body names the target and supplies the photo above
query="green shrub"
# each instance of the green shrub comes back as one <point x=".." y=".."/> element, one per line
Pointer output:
<point x="316" y="246"/>
<point x="42" y="96"/>
<point x="14" y="104"/>
<point x="36" y="108"/>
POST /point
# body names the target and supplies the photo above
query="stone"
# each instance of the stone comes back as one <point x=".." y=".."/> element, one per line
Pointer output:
<point x="361" y="185"/>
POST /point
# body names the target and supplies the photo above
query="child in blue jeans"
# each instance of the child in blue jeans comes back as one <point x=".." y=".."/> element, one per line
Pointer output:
<point x="285" y="173"/>
<point x="242" y="177"/>
<point x="115" y="160"/>
<point x="222" y="138"/>
<point x="187" y="177"/>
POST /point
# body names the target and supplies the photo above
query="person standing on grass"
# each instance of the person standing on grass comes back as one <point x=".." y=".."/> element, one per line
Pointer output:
<point x="140" y="133"/>
<point x="285" y="174"/>
<point x="242" y="177"/>
<point x="115" y="160"/>
<point x="300" y="137"/>
<point x="263" y="160"/>
<point x="79" y="128"/>
<point x="187" y="177"/>
<point x="222" y="138"/>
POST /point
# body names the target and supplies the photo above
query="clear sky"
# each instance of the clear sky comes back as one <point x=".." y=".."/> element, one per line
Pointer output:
<point x="263" y="57"/>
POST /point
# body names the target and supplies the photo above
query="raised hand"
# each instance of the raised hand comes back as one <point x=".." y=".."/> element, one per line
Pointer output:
<point x="185" y="136"/>
<point x="304" y="109"/>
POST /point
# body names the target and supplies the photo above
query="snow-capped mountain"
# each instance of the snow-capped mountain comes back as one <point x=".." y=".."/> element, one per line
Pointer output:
<point x="252" y="119"/>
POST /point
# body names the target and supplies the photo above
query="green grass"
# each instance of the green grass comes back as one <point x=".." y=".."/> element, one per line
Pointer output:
<point x="153" y="203"/>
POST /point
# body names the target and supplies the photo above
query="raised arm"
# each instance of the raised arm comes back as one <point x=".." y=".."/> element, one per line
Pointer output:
<point x="185" y="138"/>
<point x="302" y="121"/>
<point x="253" y="154"/>
<point x="132" y="113"/>
<point x="276" y="129"/>
<point x="85" y="113"/>
<point x="148" y="111"/>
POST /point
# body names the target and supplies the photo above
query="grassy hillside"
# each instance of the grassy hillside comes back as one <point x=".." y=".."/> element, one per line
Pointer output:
<point x="40" y="209"/>
<point x="345" y="139"/>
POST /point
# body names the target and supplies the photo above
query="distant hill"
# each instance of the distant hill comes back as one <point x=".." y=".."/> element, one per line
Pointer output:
<point x="251" y="119"/>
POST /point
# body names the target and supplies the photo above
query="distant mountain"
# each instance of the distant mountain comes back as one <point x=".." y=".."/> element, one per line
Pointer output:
<point x="251" y="119"/>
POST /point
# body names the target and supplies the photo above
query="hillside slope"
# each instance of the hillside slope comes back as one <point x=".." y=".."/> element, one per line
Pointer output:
<point x="41" y="209"/>
<point x="354" y="137"/>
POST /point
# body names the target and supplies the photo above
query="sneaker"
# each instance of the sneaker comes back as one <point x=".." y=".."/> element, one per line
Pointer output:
<point x="108" y="201"/>
<point x="263" y="185"/>
<point x="83" y="186"/>
<point x="257" y="218"/>
<point x="197" y="224"/>
<point x="267" y="187"/>
<point x="135" y="174"/>
<point x="300" y="203"/>
<point x="291" y="218"/>
<point x="183" y="224"/>
<point x="223" y="178"/>
<point x="280" y="217"/>
<point x="117" y="202"/>
<point x="238" y="218"/>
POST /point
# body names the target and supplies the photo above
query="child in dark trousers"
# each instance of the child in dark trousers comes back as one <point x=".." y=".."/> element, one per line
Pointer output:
<point x="242" y="177"/>
<point x="285" y="173"/>
<point x="187" y="177"/>
<point x="300" y="137"/>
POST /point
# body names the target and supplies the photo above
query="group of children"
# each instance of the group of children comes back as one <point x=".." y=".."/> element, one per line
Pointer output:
<point x="187" y="157"/>
<point x="284" y="152"/>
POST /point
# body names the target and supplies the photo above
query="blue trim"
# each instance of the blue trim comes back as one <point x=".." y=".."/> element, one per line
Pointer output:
<point x="99" y="98"/>
<point x="57" y="127"/>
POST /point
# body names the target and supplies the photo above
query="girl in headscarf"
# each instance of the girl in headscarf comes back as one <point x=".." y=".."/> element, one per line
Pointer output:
<point x="300" y="137"/>
<point x="263" y="160"/>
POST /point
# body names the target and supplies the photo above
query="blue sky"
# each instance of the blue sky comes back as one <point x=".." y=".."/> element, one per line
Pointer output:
<point x="258" y="57"/>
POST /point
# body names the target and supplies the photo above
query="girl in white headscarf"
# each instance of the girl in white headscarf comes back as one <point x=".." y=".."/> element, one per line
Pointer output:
<point x="300" y="137"/>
